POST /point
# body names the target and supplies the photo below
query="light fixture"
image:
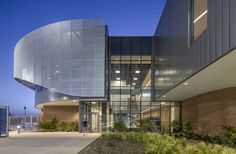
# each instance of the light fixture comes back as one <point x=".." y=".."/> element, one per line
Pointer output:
<point x="57" y="71"/>
<point x="117" y="58"/>
<point x="65" y="98"/>
<point x="198" y="18"/>
<point x="117" y="71"/>
<point x="164" y="96"/>
<point x="185" y="83"/>
<point x="148" y="84"/>
<point x="137" y="71"/>
<point x="133" y="84"/>
<point x="135" y="78"/>
<point x="163" y="103"/>
<point x="49" y="78"/>
<point x="74" y="100"/>
<point x="117" y="78"/>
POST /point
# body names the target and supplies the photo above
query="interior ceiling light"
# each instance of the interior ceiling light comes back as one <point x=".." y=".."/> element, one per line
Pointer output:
<point x="186" y="83"/>
<point x="117" y="78"/>
<point x="135" y="78"/>
<point x="133" y="84"/>
<point x="163" y="103"/>
<point x="198" y="18"/>
<point x="137" y="71"/>
<point x="117" y="71"/>
<point x="164" y="96"/>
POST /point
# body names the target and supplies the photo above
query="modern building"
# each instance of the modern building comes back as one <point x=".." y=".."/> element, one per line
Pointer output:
<point x="185" y="71"/>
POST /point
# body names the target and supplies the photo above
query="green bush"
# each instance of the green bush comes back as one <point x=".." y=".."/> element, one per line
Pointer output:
<point x="67" y="126"/>
<point x="184" y="129"/>
<point x="212" y="139"/>
<point x="135" y="137"/>
<point x="52" y="124"/>
<point x="119" y="126"/>
<point x="228" y="135"/>
<point x="146" y="125"/>
<point x="155" y="143"/>
<point x="48" y="124"/>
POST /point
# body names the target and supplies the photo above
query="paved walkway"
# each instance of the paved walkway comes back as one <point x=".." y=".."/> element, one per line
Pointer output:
<point x="45" y="143"/>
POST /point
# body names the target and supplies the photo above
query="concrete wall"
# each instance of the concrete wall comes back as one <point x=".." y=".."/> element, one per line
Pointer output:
<point x="209" y="112"/>
<point x="62" y="113"/>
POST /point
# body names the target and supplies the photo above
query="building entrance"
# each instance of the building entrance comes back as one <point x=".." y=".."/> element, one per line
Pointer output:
<point x="89" y="117"/>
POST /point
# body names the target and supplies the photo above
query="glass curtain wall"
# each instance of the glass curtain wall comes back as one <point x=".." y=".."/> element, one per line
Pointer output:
<point x="130" y="78"/>
<point x="130" y="84"/>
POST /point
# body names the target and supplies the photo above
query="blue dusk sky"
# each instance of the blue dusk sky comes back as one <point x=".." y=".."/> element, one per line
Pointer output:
<point x="19" y="17"/>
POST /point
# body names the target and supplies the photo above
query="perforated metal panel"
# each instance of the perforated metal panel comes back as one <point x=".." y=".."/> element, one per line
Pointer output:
<point x="68" y="57"/>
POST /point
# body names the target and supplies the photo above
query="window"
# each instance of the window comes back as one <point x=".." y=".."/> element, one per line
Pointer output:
<point x="199" y="18"/>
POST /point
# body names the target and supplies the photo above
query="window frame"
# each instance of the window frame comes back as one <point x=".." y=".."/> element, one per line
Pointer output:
<point x="191" y="26"/>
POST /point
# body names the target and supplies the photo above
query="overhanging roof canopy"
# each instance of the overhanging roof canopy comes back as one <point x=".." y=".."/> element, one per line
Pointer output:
<point x="218" y="75"/>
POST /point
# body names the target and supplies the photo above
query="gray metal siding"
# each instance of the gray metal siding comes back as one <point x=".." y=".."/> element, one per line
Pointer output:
<point x="67" y="56"/>
<point x="183" y="60"/>
<point x="225" y="27"/>
<point x="232" y="23"/>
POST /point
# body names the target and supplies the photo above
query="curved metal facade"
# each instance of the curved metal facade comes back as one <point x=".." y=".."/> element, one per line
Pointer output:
<point x="67" y="56"/>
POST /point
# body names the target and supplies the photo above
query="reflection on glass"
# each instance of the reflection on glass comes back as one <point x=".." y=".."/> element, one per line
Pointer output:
<point x="130" y="96"/>
<point x="200" y="17"/>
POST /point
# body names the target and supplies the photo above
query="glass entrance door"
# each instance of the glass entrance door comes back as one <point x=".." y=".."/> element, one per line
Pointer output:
<point x="94" y="123"/>
<point x="89" y="117"/>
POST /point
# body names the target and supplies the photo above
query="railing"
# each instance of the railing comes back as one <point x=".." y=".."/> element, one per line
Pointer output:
<point x="27" y="123"/>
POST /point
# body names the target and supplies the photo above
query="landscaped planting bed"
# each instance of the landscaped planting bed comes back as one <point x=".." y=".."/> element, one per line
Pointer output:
<point x="131" y="142"/>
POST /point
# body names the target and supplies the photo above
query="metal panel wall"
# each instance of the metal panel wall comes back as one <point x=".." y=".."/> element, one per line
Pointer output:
<point x="176" y="59"/>
<point x="67" y="57"/>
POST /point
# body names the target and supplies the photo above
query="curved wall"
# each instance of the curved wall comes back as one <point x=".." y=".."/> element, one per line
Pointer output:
<point x="67" y="56"/>
<point x="210" y="111"/>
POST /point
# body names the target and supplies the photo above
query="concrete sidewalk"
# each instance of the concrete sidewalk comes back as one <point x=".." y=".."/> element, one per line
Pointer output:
<point x="45" y="143"/>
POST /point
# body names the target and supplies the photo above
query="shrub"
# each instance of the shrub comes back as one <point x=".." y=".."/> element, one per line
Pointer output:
<point x="177" y="129"/>
<point x="155" y="143"/>
<point x="119" y="126"/>
<point x="121" y="136"/>
<point x="135" y="137"/>
<point x="67" y="126"/>
<point x="146" y="125"/>
<point x="182" y="130"/>
<point x="52" y="124"/>
<point x="228" y="135"/>
<point x="48" y="124"/>
<point x="212" y="139"/>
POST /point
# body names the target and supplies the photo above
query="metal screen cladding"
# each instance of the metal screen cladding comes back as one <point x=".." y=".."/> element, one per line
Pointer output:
<point x="67" y="57"/>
